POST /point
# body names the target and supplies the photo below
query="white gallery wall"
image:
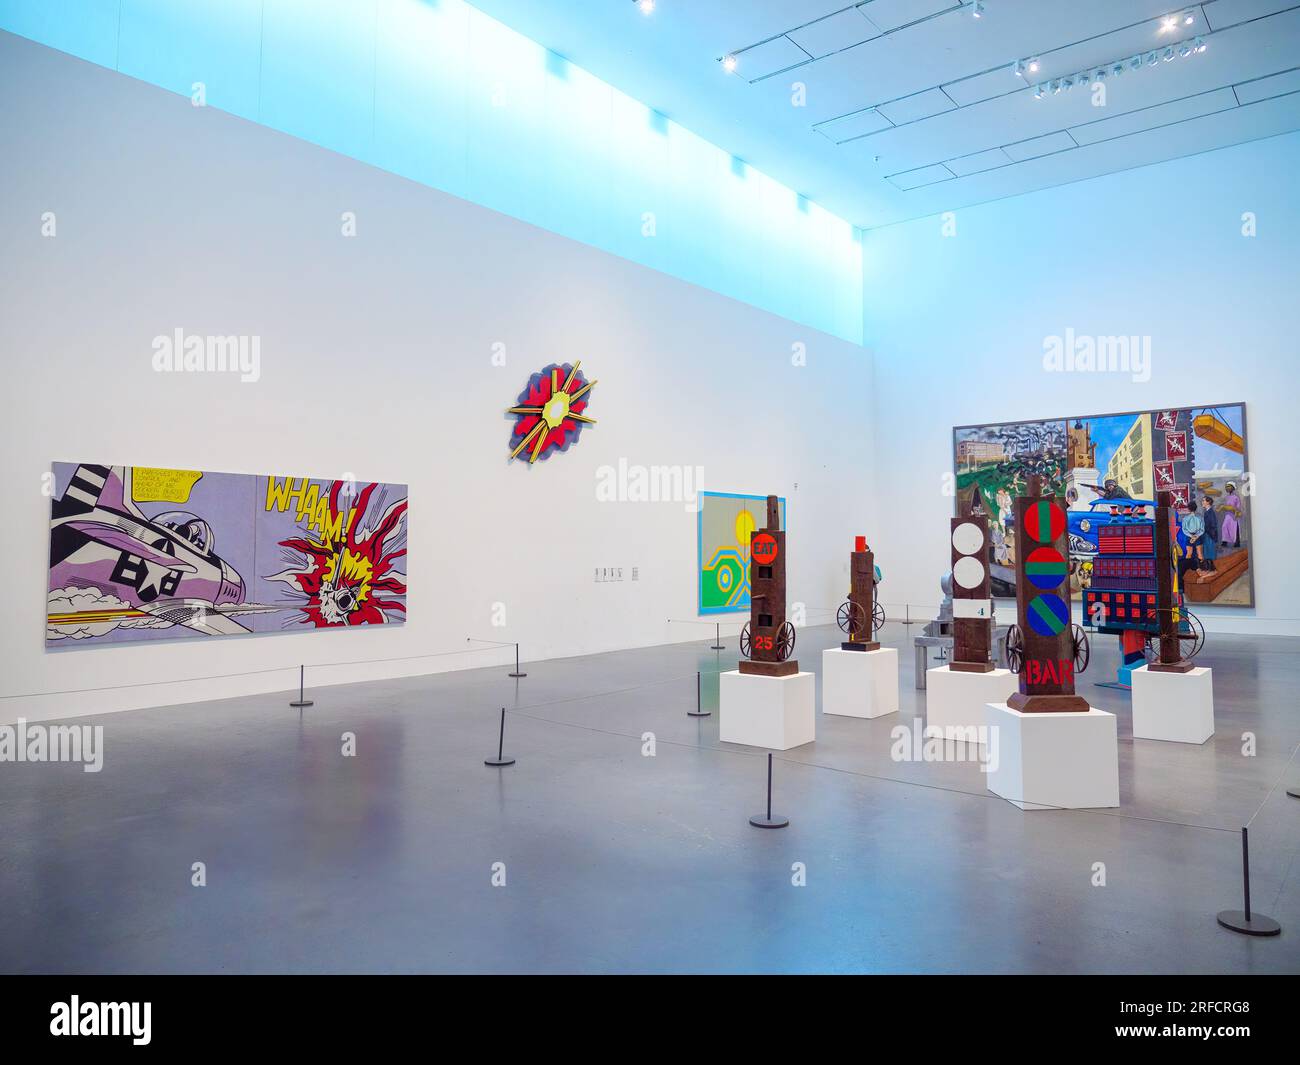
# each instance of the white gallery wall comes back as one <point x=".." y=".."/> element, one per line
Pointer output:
<point x="377" y="359"/>
<point x="958" y="309"/>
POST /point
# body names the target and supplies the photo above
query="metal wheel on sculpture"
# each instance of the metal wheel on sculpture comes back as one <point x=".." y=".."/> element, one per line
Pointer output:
<point x="1082" y="649"/>
<point x="1191" y="642"/>
<point x="784" y="641"/>
<point x="877" y="617"/>
<point x="1015" y="649"/>
<point x="850" y="617"/>
<point x="745" y="645"/>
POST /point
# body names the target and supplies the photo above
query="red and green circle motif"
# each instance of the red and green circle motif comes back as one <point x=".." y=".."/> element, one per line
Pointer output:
<point x="1047" y="614"/>
<point x="1045" y="567"/>
<point x="1044" y="521"/>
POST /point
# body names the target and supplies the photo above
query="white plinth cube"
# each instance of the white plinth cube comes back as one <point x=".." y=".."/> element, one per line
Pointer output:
<point x="860" y="683"/>
<point x="957" y="700"/>
<point x="773" y="712"/>
<point x="1173" y="706"/>
<point x="1053" y="761"/>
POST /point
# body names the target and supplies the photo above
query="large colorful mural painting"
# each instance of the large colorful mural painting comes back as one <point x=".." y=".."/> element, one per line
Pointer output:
<point x="1100" y="462"/>
<point x="725" y="521"/>
<point x="141" y="553"/>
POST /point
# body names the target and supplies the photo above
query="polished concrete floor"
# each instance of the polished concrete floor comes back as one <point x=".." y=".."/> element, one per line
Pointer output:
<point x="617" y="862"/>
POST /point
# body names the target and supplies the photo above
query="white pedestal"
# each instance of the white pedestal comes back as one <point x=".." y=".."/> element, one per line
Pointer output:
<point x="1053" y="761"/>
<point x="1173" y="706"/>
<point x="956" y="701"/>
<point x="860" y="683"/>
<point x="774" y="712"/>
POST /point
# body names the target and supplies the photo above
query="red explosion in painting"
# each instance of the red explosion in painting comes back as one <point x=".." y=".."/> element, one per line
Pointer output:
<point x="350" y="575"/>
<point x="550" y="411"/>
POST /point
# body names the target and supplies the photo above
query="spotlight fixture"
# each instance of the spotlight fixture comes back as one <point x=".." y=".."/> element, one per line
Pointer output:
<point x="1189" y="47"/>
<point x="647" y="7"/>
<point x="977" y="8"/>
<point x="729" y="63"/>
<point x="1019" y="69"/>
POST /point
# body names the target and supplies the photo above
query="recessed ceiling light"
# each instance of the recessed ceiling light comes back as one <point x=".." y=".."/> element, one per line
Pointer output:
<point x="1169" y="22"/>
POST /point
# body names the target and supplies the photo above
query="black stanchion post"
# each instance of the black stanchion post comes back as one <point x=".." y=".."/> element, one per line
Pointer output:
<point x="302" y="700"/>
<point x="718" y="645"/>
<point x="699" y="710"/>
<point x="1244" y="921"/>
<point x="768" y="821"/>
<point x="516" y="673"/>
<point x="500" y="759"/>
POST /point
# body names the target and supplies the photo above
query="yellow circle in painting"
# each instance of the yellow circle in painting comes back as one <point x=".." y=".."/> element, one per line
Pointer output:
<point x="744" y="526"/>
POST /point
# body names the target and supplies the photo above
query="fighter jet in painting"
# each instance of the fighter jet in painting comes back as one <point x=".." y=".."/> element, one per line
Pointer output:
<point x="111" y="565"/>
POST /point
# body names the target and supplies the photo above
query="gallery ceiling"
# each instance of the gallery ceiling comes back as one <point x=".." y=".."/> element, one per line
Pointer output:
<point x="895" y="109"/>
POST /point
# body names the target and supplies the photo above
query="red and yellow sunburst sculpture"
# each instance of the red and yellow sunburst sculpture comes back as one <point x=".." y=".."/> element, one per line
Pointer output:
<point x="550" y="412"/>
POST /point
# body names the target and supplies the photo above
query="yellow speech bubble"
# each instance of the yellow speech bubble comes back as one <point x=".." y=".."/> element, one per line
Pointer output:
<point x="170" y="486"/>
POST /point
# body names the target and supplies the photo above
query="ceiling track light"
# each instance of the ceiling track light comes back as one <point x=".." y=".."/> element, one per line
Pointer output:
<point x="1178" y="49"/>
<point x="977" y="8"/>
<point x="647" y="7"/>
<point x="729" y="64"/>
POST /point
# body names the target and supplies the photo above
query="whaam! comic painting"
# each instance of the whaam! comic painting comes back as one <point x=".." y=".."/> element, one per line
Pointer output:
<point x="1103" y="464"/>
<point x="141" y="553"/>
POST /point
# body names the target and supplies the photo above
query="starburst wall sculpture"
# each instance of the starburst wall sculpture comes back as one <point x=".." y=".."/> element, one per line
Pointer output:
<point x="549" y="412"/>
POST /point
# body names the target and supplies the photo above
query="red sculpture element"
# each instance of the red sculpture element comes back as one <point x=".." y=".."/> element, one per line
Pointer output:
<point x="1044" y="647"/>
<point x="767" y="640"/>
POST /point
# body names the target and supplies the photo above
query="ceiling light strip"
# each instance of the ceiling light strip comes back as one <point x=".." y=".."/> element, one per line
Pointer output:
<point x="1001" y="66"/>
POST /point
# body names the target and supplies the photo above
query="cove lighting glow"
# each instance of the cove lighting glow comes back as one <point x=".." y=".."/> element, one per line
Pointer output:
<point x="444" y="95"/>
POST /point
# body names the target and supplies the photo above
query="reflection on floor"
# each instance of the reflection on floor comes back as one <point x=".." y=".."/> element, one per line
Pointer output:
<point x="617" y="862"/>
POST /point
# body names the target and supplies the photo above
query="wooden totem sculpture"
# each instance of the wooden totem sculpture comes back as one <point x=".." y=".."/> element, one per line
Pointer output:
<point x="1168" y="612"/>
<point x="856" y="616"/>
<point x="1047" y="649"/>
<point x="767" y="640"/>
<point x="972" y="601"/>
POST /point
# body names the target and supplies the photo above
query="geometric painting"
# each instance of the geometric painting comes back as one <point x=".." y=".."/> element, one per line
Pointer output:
<point x="1197" y="454"/>
<point x="141" y="553"/>
<point x="723" y="523"/>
